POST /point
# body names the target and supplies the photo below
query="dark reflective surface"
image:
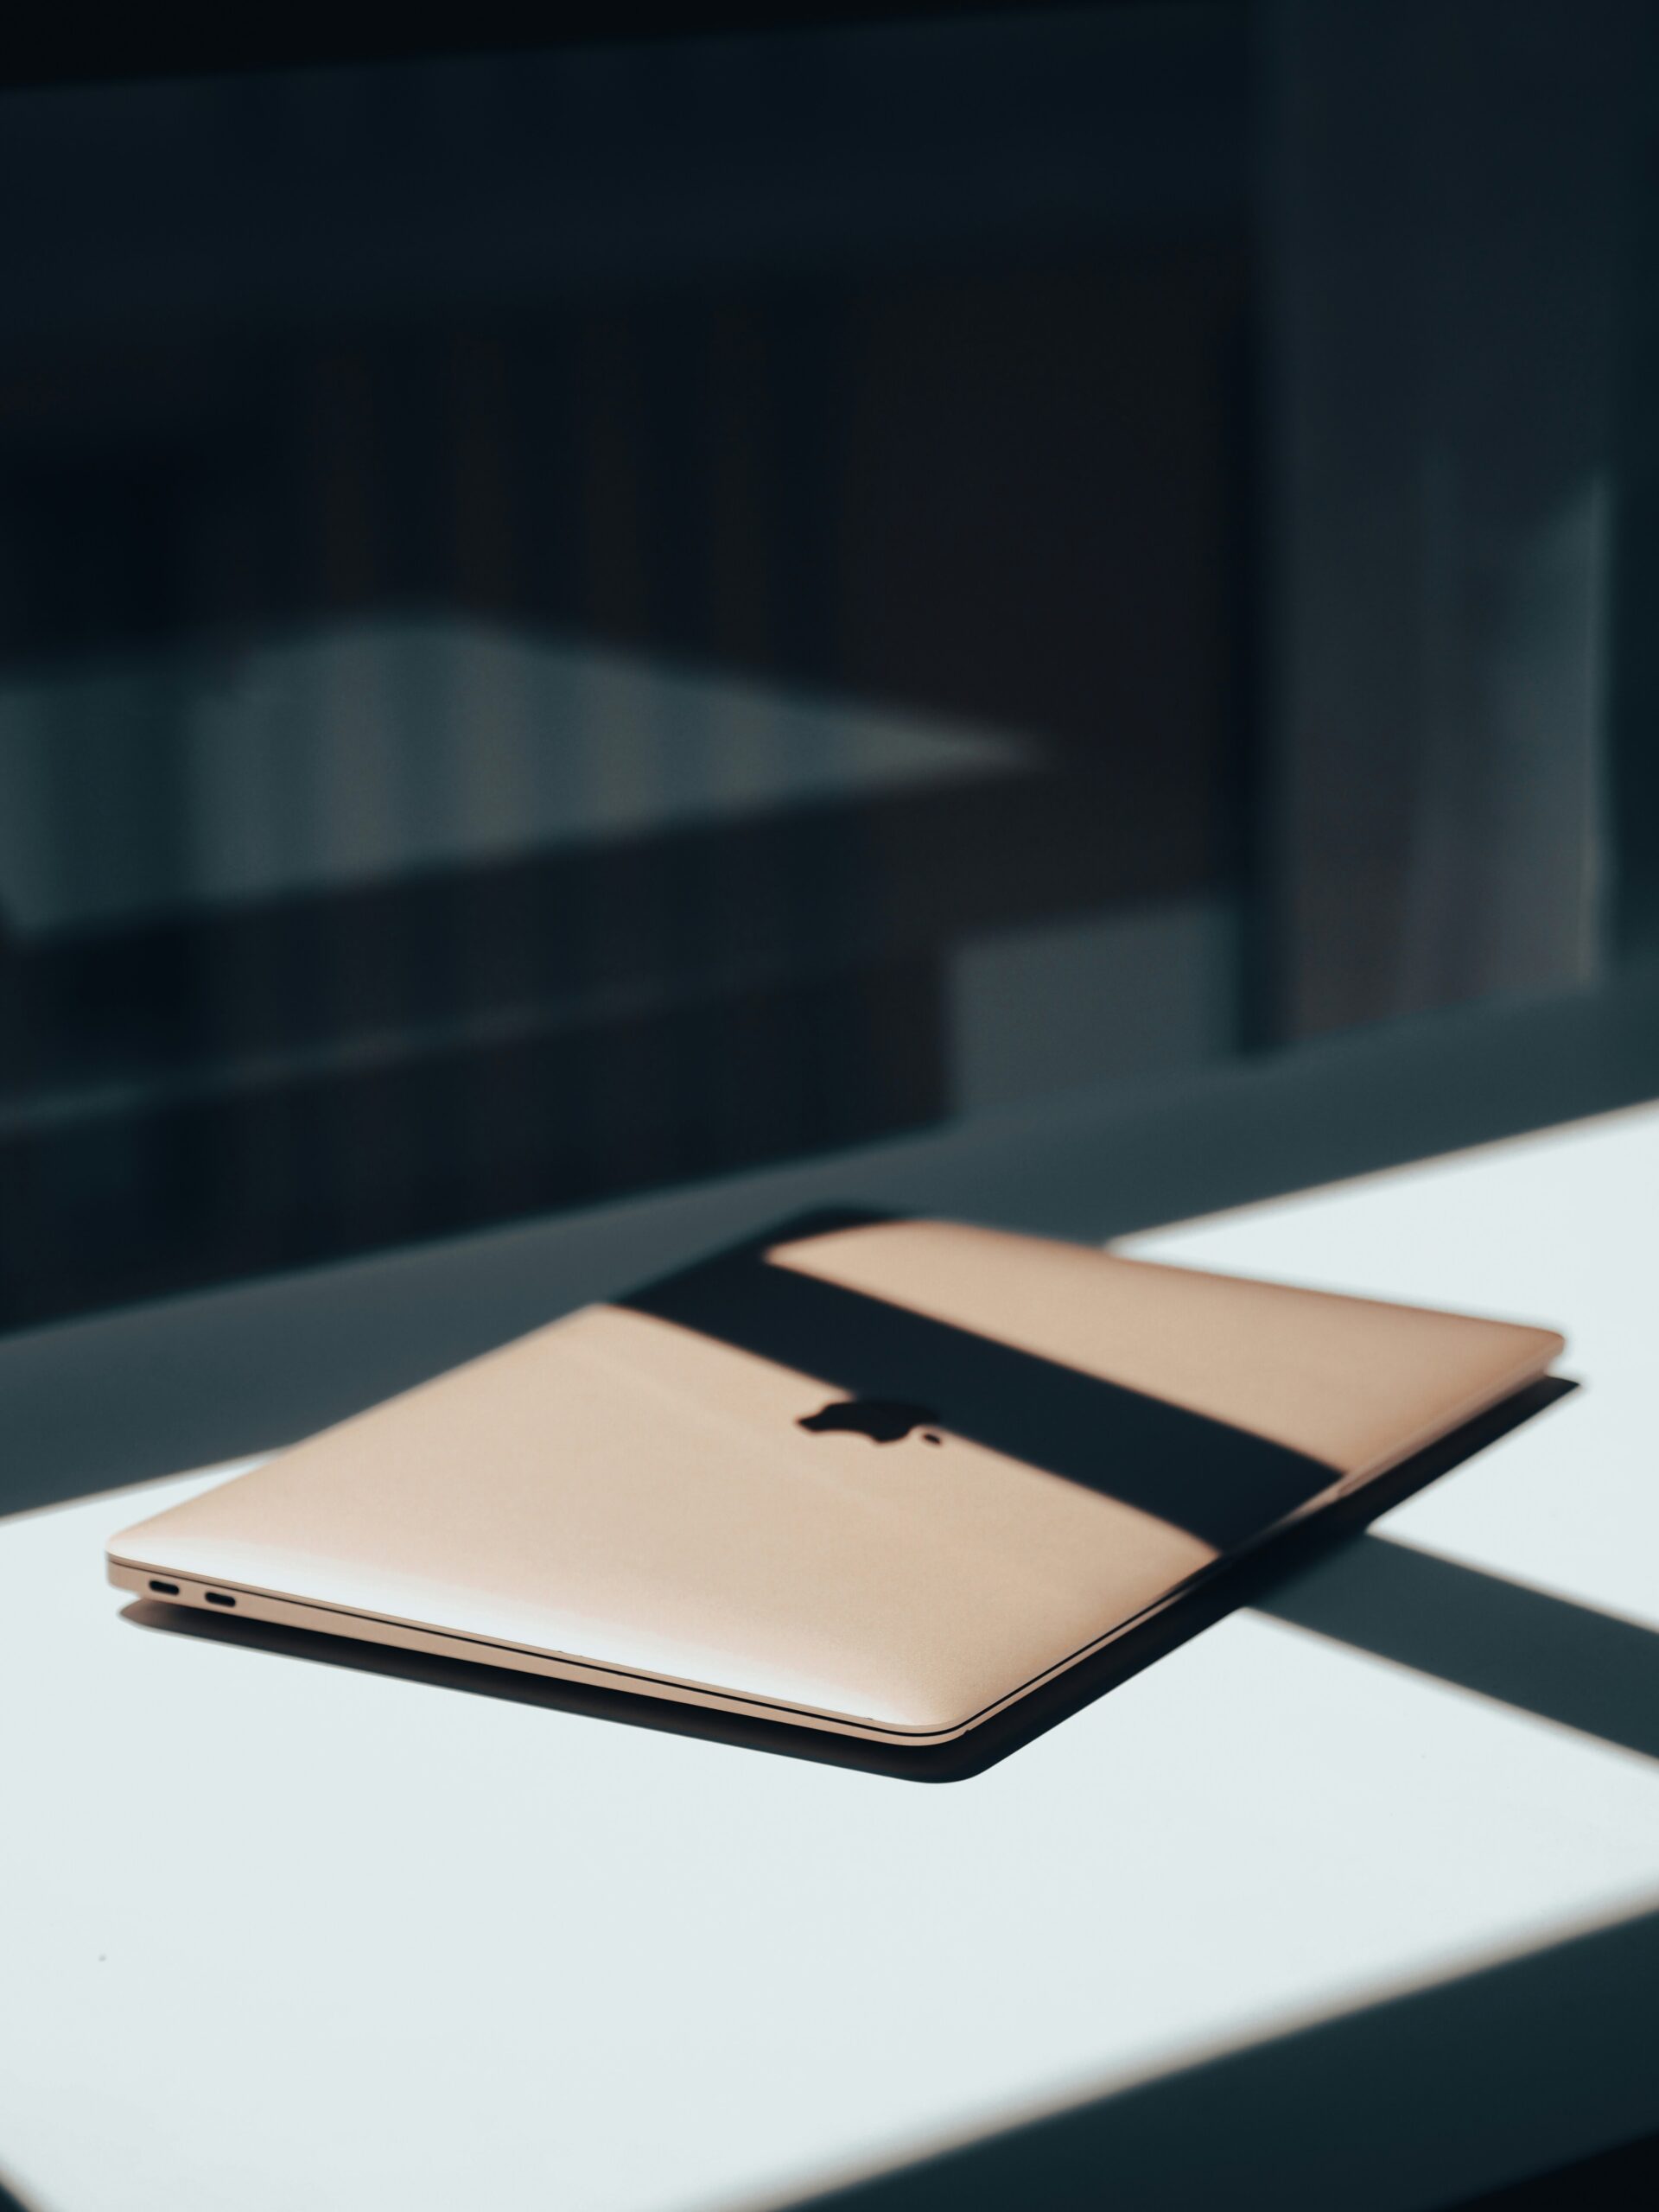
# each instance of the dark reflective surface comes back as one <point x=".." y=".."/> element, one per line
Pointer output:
<point x="574" y="621"/>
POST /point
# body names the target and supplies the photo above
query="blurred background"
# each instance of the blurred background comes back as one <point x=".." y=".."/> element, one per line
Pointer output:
<point x="579" y="619"/>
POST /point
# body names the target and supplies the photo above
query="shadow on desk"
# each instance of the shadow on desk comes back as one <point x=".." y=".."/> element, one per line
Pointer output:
<point x="1563" y="1662"/>
<point x="1548" y="2055"/>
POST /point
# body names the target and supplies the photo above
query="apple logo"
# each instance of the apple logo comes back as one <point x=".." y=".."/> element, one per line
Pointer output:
<point x="884" y="1421"/>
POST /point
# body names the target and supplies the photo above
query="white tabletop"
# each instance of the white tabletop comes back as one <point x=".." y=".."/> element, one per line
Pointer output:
<point x="282" y="1934"/>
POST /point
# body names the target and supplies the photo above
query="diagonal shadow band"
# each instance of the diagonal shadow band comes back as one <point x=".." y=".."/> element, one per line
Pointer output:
<point x="1220" y="1483"/>
<point x="1545" y="1655"/>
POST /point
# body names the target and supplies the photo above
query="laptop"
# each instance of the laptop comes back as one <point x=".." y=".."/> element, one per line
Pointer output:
<point x="878" y="1476"/>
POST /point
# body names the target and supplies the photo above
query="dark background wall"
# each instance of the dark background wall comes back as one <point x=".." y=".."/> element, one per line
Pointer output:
<point x="577" y="618"/>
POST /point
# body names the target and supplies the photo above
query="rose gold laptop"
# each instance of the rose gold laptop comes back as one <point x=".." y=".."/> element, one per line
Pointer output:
<point x="881" y="1477"/>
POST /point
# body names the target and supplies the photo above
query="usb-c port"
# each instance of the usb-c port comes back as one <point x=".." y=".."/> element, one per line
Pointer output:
<point x="167" y="1589"/>
<point x="218" y="1598"/>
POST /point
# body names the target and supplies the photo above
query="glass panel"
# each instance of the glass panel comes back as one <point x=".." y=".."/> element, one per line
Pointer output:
<point x="578" y="620"/>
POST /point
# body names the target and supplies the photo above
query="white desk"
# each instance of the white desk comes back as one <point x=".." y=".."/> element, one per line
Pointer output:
<point x="280" y="1933"/>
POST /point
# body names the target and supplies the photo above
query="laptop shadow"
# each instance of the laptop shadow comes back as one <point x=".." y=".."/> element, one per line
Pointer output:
<point x="1262" y="1579"/>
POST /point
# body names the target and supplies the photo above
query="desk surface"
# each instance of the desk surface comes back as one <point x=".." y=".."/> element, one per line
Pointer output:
<point x="281" y="1933"/>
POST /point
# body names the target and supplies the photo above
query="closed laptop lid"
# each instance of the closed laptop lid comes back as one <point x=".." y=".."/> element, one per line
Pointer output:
<point x="889" y="1471"/>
